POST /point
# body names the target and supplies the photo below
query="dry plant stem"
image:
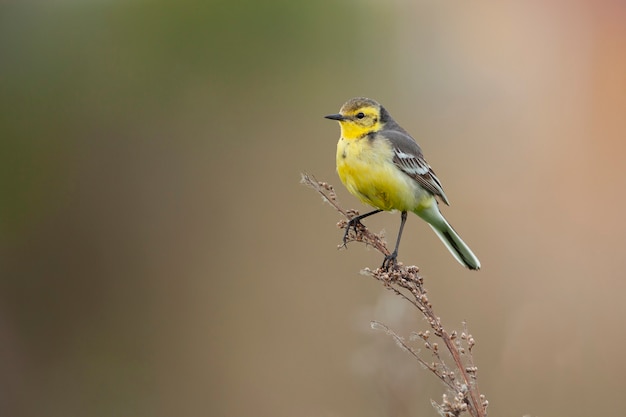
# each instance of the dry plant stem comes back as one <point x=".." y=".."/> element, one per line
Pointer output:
<point x="400" y="341"/>
<point x="407" y="278"/>
<point x="364" y="235"/>
<point x="400" y="280"/>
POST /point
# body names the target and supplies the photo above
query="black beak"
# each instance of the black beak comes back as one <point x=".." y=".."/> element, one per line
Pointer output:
<point x="337" y="117"/>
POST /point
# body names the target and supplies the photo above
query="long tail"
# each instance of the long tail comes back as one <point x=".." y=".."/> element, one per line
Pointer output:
<point x="449" y="237"/>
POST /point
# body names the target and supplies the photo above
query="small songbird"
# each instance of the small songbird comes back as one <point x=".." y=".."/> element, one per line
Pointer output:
<point x="381" y="164"/>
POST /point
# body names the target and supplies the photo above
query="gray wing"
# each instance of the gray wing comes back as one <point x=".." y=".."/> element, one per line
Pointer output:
<point x="408" y="156"/>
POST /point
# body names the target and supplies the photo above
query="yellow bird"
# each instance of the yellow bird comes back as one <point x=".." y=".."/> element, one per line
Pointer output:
<point x="381" y="164"/>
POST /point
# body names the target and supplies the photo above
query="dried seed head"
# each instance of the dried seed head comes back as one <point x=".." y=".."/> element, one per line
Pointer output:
<point x="471" y="370"/>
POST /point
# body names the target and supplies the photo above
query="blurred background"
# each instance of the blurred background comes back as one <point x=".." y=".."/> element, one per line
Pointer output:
<point x="158" y="256"/>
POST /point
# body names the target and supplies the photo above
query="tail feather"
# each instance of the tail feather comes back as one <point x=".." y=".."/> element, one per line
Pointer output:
<point x="450" y="238"/>
<point x="457" y="247"/>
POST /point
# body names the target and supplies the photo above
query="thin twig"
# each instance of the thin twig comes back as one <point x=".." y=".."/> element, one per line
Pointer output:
<point x="362" y="234"/>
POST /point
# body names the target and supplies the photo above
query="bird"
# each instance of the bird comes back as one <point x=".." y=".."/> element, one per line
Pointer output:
<point x="381" y="164"/>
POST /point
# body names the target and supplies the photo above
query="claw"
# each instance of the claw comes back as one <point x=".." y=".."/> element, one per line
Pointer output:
<point x="390" y="261"/>
<point x="354" y="223"/>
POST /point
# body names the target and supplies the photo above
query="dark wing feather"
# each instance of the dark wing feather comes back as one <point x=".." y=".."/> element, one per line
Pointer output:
<point x="408" y="156"/>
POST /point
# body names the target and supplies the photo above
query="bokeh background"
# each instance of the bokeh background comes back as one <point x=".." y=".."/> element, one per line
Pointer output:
<point x="160" y="258"/>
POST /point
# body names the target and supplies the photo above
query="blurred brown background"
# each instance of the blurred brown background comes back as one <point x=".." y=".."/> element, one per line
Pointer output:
<point x="160" y="258"/>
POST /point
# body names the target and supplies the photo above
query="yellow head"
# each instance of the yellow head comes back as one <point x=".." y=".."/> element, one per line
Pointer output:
<point x="359" y="117"/>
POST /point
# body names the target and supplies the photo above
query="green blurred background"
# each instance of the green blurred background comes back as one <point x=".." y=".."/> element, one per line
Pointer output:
<point x="160" y="258"/>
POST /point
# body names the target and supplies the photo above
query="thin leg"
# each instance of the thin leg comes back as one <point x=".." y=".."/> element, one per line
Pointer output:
<point x="390" y="260"/>
<point x="354" y="222"/>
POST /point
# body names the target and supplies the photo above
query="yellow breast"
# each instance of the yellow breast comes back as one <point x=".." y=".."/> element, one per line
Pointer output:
<point x="367" y="170"/>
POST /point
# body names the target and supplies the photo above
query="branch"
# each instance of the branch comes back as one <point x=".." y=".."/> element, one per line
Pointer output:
<point x="406" y="282"/>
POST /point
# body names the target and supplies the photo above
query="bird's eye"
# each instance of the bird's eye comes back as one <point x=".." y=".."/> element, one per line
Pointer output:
<point x="360" y="115"/>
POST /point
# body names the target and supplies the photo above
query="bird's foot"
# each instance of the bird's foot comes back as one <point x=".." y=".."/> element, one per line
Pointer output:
<point x="354" y="223"/>
<point x="390" y="262"/>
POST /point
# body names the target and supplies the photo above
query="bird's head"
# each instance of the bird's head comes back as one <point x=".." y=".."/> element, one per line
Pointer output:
<point x="359" y="117"/>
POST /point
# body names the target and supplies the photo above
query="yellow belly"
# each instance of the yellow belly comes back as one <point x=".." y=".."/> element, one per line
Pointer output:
<point x="367" y="170"/>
